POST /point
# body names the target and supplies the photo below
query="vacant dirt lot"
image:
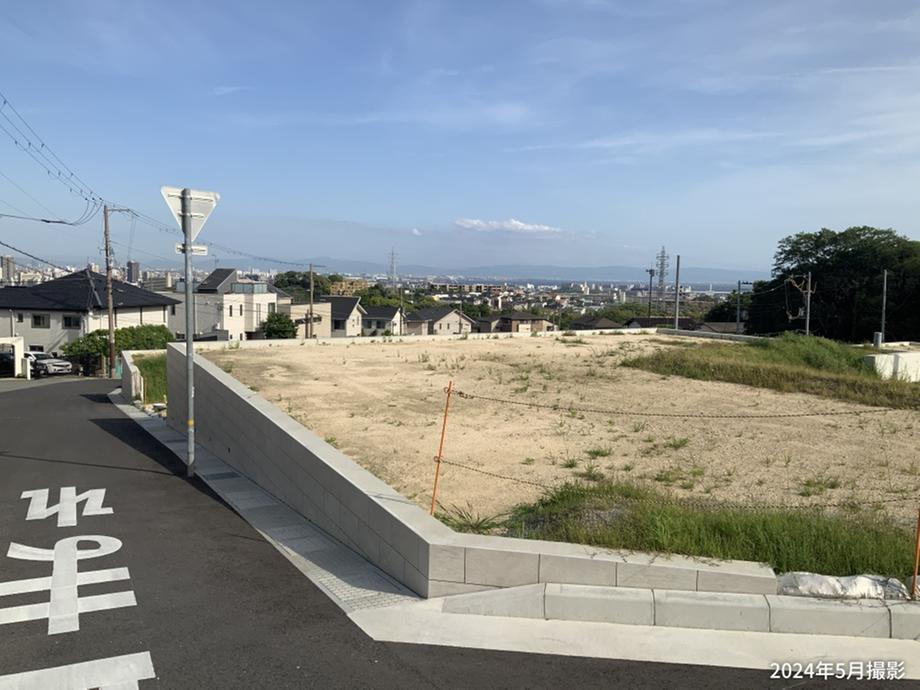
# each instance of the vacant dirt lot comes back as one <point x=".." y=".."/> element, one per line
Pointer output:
<point x="382" y="405"/>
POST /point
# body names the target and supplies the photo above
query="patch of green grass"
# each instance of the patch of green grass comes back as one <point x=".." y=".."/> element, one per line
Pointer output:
<point x="332" y="441"/>
<point x="595" y="453"/>
<point x="153" y="369"/>
<point x="468" y="519"/>
<point x="569" y="463"/>
<point x="591" y="472"/>
<point x="677" y="443"/>
<point x="816" y="487"/>
<point x="528" y="461"/>
<point x="790" y="363"/>
<point x="621" y="515"/>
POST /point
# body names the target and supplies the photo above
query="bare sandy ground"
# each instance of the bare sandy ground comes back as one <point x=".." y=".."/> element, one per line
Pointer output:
<point x="382" y="404"/>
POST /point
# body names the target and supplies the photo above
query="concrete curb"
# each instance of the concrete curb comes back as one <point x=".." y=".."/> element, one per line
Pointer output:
<point x="702" y="610"/>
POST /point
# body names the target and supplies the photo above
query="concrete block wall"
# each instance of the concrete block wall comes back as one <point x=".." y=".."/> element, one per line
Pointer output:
<point x="348" y="502"/>
<point x="132" y="382"/>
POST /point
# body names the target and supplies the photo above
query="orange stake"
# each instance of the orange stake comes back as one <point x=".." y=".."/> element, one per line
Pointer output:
<point x="437" y="469"/>
<point x="915" y="590"/>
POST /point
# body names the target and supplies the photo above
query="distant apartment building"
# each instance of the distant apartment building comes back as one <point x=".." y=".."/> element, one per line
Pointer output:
<point x="53" y="313"/>
<point x="226" y="307"/>
<point x="133" y="272"/>
<point x="347" y="287"/>
<point x="158" y="283"/>
<point x="7" y="270"/>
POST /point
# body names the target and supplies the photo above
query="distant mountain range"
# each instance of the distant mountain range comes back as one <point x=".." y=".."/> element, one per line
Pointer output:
<point x="538" y="273"/>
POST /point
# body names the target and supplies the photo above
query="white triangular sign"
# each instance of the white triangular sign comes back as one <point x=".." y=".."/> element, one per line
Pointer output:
<point x="202" y="203"/>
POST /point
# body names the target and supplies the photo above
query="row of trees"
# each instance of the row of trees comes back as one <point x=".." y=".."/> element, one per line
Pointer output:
<point x="846" y="273"/>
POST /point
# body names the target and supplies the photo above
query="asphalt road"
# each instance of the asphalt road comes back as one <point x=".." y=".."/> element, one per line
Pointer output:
<point x="217" y="606"/>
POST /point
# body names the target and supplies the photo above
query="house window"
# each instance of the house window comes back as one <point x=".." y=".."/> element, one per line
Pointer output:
<point x="271" y="307"/>
<point x="41" y="321"/>
<point x="19" y="317"/>
<point x="231" y="310"/>
<point x="172" y="310"/>
<point x="71" y="322"/>
<point x="36" y="348"/>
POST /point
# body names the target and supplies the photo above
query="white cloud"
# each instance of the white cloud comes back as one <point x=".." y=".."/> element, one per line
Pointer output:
<point x="511" y="225"/>
<point x="227" y="90"/>
<point x="416" y="232"/>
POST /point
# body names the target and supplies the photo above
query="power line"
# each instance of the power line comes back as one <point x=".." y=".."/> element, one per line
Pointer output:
<point x="32" y="256"/>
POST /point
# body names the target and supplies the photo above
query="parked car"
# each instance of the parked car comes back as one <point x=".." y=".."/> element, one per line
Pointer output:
<point x="44" y="364"/>
<point x="7" y="364"/>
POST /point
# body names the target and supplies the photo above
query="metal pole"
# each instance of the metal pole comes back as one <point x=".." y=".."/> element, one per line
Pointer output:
<point x="189" y="328"/>
<point x="651" y="274"/>
<point x="108" y="289"/>
<point x="738" y="309"/>
<point x="915" y="588"/>
<point x="437" y="470"/>
<point x="310" y="335"/>
<point x="677" y="294"/>
<point x="808" y="306"/>
<point x="884" y="300"/>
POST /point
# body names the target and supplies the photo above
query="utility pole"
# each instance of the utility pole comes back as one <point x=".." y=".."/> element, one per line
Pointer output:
<point x="310" y="332"/>
<point x="110" y="306"/>
<point x="651" y="275"/>
<point x="884" y="301"/>
<point x="738" y="309"/>
<point x="808" y="306"/>
<point x="677" y="295"/>
<point x="108" y="290"/>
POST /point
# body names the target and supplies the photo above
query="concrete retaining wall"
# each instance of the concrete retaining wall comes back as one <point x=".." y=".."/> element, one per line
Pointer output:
<point x="132" y="382"/>
<point x="896" y="365"/>
<point x="328" y="488"/>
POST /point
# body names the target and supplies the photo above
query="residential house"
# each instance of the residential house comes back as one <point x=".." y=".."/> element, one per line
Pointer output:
<point x="51" y="314"/>
<point x="684" y="324"/>
<point x="300" y="315"/>
<point x="594" y="323"/>
<point x="383" y="320"/>
<point x="227" y="307"/>
<point x="524" y="323"/>
<point x="487" y="325"/>
<point x="438" y="321"/>
<point x="347" y="315"/>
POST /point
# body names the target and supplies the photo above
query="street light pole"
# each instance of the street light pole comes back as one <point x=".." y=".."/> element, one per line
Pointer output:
<point x="110" y="307"/>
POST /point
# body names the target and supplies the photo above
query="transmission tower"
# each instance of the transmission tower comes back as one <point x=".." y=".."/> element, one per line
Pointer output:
<point x="662" y="261"/>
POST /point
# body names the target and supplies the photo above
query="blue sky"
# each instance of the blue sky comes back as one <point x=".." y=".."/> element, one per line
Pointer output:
<point x="572" y="132"/>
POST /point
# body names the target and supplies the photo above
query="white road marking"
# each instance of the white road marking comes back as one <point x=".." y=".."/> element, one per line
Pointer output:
<point x="112" y="673"/>
<point x="64" y="609"/>
<point x="66" y="508"/>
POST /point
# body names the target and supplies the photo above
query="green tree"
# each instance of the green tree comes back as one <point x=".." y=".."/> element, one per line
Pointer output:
<point x="279" y="325"/>
<point x="297" y="283"/>
<point x="132" y="338"/>
<point x="846" y="269"/>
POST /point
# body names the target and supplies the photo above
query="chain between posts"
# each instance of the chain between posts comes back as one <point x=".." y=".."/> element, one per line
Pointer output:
<point x="685" y="500"/>
<point x="673" y="415"/>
